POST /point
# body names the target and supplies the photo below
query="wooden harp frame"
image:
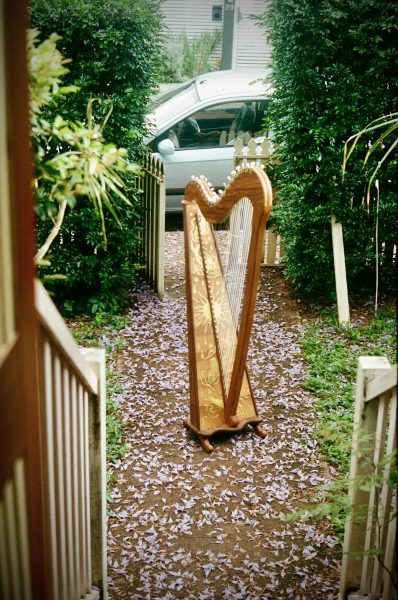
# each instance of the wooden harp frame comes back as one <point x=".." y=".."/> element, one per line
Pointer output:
<point x="214" y="409"/>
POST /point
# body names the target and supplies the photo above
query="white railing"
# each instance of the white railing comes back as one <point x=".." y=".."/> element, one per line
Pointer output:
<point x="257" y="151"/>
<point x="369" y="542"/>
<point x="72" y="393"/>
<point x="152" y="184"/>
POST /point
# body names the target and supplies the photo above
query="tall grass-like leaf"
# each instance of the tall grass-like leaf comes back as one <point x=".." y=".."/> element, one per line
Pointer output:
<point x="390" y="121"/>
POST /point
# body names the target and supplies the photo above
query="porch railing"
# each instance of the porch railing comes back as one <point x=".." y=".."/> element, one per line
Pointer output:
<point x="369" y="540"/>
<point x="72" y="392"/>
<point x="15" y="579"/>
<point x="257" y="151"/>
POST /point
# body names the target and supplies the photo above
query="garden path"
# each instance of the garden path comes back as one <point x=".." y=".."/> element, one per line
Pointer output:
<point x="185" y="524"/>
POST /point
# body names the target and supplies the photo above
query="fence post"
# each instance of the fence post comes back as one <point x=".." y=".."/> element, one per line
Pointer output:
<point x="97" y="450"/>
<point x="363" y="440"/>
<point x="153" y="223"/>
<point x="343" y="308"/>
<point x="161" y="216"/>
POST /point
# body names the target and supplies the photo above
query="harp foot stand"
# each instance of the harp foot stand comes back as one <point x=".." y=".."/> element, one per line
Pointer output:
<point x="259" y="430"/>
<point x="204" y="441"/>
<point x="206" y="445"/>
<point x="204" y="437"/>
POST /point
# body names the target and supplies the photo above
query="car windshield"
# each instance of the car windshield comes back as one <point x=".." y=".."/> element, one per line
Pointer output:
<point x="166" y="96"/>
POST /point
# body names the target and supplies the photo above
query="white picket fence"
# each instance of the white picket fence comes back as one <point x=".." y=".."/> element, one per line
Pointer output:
<point x="369" y="543"/>
<point x="257" y="151"/>
<point x="72" y="393"/>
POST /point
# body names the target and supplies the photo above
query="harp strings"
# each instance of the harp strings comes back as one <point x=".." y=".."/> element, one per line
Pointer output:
<point x="233" y="257"/>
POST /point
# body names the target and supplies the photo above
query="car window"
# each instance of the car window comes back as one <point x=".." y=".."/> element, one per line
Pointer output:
<point x="218" y="125"/>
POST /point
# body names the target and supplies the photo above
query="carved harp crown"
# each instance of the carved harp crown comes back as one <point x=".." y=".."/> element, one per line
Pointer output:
<point x="222" y="273"/>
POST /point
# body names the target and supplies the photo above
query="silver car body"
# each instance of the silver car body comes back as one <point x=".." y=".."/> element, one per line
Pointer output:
<point x="203" y="100"/>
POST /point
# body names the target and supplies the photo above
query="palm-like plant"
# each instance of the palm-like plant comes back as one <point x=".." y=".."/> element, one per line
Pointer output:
<point x="72" y="159"/>
<point x="389" y="124"/>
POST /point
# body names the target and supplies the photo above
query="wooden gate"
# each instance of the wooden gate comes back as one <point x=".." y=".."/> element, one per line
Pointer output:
<point x="369" y="539"/>
<point x="152" y="185"/>
<point x="52" y="400"/>
<point x="252" y="151"/>
<point x="72" y="396"/>
<point x="23" y="570"/>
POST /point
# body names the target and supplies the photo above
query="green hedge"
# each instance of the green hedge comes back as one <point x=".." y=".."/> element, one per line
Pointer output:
<point x="114" y="52"/>
<point x="334" y="70"/>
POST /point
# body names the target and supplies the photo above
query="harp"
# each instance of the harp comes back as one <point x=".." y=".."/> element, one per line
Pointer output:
<point x="222" y="273"/>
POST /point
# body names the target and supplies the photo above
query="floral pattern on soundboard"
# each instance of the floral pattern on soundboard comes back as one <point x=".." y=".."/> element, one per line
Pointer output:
<point x="207" y="307"/>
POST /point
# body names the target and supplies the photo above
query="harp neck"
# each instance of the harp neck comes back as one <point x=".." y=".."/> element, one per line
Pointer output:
<point x="250" y="182"/>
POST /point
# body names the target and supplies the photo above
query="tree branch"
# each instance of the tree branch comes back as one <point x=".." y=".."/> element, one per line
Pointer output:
<point x="52" y="235"/>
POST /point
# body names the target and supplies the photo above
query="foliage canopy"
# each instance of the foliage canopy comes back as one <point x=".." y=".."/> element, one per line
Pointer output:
<point x="71" y="159"/>
<point x="113" y="53"/>
<point x="334" y="71"/>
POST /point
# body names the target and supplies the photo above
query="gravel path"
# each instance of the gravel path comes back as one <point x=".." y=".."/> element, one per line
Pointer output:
<point x="185" y="524"/>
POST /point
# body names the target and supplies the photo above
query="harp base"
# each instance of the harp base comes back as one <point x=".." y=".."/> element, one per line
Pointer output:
<point x="205" y="434"/>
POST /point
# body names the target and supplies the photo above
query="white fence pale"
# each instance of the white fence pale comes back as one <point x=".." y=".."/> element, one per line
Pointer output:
<point x="369" y="543"/>
<point x="152" y="184"/>
<point x="15" y="580"/>
<point x="257" y="152"/>
<point x="72" y="391"/>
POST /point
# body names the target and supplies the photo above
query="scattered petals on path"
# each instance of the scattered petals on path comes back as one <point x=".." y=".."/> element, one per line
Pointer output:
<point x="184" y="524"/>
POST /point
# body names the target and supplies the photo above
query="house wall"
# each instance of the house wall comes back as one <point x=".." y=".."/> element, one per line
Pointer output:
<point x="250" y="48"/>
<point x="192" y="18"/>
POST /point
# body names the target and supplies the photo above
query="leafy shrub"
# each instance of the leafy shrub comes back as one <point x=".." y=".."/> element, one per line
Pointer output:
<point x="332" y="356"/>
<point x="113" y="49"/>
<point x="334" y="71"/>
<point x="97" y="274"/>
<point x="72" y="160"/>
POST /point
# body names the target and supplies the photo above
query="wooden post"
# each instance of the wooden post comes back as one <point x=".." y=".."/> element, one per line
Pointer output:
<point x="363" y="441"/>
<point x="343" y="308"/>
<point x="228" y="34"/>
<point x="97" y="444"/>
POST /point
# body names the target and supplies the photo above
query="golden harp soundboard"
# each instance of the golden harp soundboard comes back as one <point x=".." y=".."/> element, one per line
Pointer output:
<point x="221" y="295"/>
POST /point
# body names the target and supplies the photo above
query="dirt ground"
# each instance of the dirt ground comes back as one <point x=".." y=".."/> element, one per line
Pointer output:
<point x="186" y="524"/>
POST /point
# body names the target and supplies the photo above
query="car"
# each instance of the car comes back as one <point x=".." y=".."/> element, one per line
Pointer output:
<point x="193" y="126"/>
